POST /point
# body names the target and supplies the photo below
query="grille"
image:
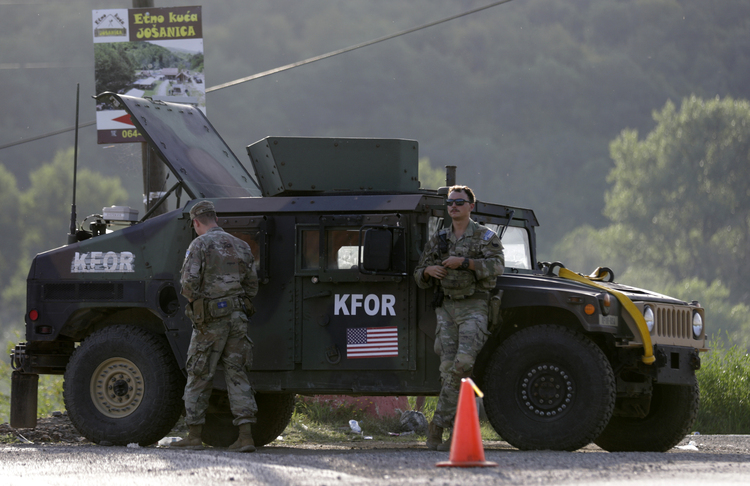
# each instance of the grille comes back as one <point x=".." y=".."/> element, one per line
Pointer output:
<point x="673" y="322"/>
<point x="674" y="325"/>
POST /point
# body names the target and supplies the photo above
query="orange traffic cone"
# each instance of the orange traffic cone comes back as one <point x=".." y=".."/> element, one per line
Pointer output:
<point x="466" y="448"/>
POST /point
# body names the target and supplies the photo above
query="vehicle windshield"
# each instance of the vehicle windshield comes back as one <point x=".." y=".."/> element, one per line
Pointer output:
<point x="516" y="246"/>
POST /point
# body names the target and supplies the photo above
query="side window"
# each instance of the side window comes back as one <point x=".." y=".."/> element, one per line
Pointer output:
<point x="343" y="249"/>
<point x="335" y="247"/>
<point x="516" y="247"/>
<point x="251" y="238"/>
<point x="433" y="224"/>
<point x="310" y="243"/>
<point x="256" y="232"/>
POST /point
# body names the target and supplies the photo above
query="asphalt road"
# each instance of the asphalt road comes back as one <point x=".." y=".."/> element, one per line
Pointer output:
<point x="714" y="460"/>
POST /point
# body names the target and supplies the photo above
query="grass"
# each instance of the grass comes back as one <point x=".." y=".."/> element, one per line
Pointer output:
<point x="724" y="380"/>
<point x="321" y="422"/>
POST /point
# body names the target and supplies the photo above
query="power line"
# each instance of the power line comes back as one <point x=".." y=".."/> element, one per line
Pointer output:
<point x="50" y="134"/>
<point x="42" y="65"/>
<point x="288" y="66"/>
<point x="349" y="49"/>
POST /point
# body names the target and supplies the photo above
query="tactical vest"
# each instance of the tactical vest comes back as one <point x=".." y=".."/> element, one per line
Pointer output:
<point x="459" y="283"/>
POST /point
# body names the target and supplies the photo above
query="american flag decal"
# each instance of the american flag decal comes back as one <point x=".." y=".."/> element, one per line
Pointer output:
<point x="371" y="342"/>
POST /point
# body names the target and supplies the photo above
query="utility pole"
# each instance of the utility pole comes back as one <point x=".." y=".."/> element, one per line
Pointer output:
<point x="154" y="169"/>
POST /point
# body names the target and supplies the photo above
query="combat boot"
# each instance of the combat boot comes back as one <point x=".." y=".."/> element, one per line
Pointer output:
<point x="434" y="436"/>
<point x="446" y="446"/>
<point x="193" y="440"/>
<point x="244" y="442"/>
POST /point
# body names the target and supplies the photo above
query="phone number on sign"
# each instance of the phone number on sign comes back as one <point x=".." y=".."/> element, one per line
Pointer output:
<point x="130" y="134"/>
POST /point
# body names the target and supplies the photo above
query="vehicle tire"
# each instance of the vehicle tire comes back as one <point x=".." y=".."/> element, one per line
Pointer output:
<point x="122" y="385"/>
<point x="523" y="384"/>
<point x="673" y="411"/>
<point x="274" y="412"/>
<point x="219" y="431"/>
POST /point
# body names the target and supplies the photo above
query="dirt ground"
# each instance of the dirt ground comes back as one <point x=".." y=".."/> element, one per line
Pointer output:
<point x="56" y="428"/>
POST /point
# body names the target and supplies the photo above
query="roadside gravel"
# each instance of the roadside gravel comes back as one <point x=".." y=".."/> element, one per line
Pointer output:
<point x="66" y="459"/>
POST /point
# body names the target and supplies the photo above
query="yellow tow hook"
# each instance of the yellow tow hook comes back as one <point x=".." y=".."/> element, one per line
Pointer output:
<point x="635" y="314"/>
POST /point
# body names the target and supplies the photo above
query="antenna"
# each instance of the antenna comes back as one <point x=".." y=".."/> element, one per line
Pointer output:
<point x="72" y="235"/>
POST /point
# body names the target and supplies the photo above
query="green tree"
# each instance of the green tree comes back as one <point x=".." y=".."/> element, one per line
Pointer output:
<point x="682" y="195"/>
<point x="10" y="236"/>
<point x="145" y="54"/>
<point x="9" y="195"/>
<point x="196" y="62"/>
<point x="45" y="216"/>
<point x="679" y="210"/>
<point x="114" y="68"/>
<point x="430" y="178"/>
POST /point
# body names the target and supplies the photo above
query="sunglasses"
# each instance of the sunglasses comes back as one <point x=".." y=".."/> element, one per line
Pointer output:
<point x="457" y="202"/>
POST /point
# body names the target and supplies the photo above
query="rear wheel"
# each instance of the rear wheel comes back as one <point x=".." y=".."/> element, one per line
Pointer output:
<point x="274" y="412"/>
<point x="547" y="387"/>
<point x="672" y="413"/>
<point x="122" y="385"/>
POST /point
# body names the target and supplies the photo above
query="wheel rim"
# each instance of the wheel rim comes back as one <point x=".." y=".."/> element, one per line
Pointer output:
<point x="117" y="387"/>
<point x="546" y="391"/>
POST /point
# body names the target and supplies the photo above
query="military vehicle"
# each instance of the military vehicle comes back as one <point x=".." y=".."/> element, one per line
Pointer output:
<point x="337" y="226"/>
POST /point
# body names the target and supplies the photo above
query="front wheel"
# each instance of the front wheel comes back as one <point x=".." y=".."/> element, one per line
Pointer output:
<point x="548" y="387"/>
<point x="122" y="385"/>
<point x="672" y="413"/>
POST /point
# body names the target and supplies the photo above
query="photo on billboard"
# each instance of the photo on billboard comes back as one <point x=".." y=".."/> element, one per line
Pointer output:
<point x="146" y="52"/>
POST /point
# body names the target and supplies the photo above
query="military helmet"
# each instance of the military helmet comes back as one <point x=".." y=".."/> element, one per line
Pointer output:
<point x="200" y="208"/>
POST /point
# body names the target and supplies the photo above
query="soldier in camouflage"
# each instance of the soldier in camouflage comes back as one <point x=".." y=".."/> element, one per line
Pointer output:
<point x="219" y="280"/>
<point x="463" y="261"/>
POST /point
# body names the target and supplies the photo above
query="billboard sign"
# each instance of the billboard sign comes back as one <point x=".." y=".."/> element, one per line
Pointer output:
<point x="146" y="52"/>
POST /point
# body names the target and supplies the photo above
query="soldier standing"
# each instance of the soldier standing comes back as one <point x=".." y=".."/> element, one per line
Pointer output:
<point x="463" y="261"/>
<point x="219" y="280"/>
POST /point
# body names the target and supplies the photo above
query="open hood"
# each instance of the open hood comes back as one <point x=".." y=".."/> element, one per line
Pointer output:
<point x="190" y="146"/>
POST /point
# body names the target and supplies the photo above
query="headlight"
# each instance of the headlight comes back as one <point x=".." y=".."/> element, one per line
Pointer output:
<point x="648" y="315"/>
<point x="606" y="303"/>
<point x="697" y="325"/>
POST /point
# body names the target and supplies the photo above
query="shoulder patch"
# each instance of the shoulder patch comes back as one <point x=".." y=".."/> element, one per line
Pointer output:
<point x="487" y="236"/>
<point x="187" y="253"/>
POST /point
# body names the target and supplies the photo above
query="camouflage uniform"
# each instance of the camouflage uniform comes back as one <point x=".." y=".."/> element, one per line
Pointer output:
<point x="218" y="270"/>
<point x="462" y="318"/>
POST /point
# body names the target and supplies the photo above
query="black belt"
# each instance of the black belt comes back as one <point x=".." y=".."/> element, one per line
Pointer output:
<point x="476" y="295"/>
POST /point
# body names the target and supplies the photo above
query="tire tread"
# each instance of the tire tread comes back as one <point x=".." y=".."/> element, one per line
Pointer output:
<point x="144" y="428"/>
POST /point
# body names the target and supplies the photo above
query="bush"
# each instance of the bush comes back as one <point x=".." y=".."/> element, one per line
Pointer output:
<point x="724" y="380"/>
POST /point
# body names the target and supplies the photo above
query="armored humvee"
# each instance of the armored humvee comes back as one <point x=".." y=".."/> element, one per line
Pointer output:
<point x="337" y="226"/>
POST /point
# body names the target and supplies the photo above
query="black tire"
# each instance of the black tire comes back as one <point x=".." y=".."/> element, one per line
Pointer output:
<point x="219" y="431"/>
<point x="122" y="385"/>
<point x="672" y="413"/>
<point x="274" y="412"/>
<point x="524" y="381"/>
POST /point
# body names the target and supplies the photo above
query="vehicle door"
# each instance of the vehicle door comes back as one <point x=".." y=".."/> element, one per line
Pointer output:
<point x="351" y="275"/>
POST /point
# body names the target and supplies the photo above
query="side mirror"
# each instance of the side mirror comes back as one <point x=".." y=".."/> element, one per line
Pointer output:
<point x="377" y="250"/>
<point x="382" y="250"/>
